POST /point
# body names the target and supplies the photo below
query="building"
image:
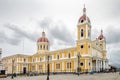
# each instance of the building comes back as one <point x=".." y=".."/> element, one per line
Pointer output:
<point x="0" y="59"/>
<point x="88" y="55"/>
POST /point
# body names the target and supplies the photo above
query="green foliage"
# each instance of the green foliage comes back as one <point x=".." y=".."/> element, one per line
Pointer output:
<point x="14" y="74"/>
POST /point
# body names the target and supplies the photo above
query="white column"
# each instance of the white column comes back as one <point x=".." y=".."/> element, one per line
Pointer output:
<point x="107" y="64"/>
<point x="62" y="66"/>
<point x="98" y="65"/>
<point x="101" y="64"/>
<point x="104" y="64"/>
<point x="52" y="66"/>
<point x="22" y="68"/>
<point x="36" y="60"/>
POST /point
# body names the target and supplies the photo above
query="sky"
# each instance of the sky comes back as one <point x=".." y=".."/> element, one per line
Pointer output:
<point x="22" y="22"/>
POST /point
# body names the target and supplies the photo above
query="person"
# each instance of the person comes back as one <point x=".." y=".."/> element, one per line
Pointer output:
<point x="92" y="72"/>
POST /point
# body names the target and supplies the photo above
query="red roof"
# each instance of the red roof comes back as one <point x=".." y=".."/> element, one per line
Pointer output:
<point x="101" y="37"/>
<point x="43" y="39"/>
<point x="83" y="17"/>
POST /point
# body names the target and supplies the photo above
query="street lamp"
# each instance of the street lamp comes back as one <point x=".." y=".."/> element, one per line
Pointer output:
<point x="48" y="71"/>
<point x="12" y="68"/>
<point x="78" y="69"/>
<point x="92" y="63"/>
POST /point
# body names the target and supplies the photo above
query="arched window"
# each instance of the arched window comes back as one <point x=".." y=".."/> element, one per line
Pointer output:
<point x="41" y="47"/>
<point x="40" y="59"/>
<point x="69" y="56"/>
<point x="44" y="47"/>
<point x="58" y="57"/>
<point x="24" y="60"/>
<point x="82" y="21"/>
<point x="70" y="64"/>
<point x="82" y="33"/>
<point x="89" y="63"/>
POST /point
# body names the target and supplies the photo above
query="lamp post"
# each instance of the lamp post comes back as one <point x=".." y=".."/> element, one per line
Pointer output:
<point x="12" y="68"/>
<point x="78" y="69"/>
<point x="48" y="71"/>
<point x="92" y="63"/>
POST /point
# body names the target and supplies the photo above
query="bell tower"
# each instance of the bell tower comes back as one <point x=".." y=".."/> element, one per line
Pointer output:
<point x="84" y="27"/>
<point x="102" y="40"/>
<point x="84" y="33"/>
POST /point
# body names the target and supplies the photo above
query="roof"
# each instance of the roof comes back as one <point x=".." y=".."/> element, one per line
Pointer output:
<point x="43" y="38"/>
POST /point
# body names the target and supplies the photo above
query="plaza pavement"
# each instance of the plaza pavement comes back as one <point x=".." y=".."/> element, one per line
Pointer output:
<point x="96" y="76"/>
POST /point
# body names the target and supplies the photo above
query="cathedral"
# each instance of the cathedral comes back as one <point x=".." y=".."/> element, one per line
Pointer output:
<point x="86" y="56"/>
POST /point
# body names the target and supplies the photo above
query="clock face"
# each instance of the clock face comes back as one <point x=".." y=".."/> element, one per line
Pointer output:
<point x="82" y="21"/>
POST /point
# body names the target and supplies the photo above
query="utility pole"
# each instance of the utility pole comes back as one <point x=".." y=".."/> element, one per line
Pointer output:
<point x="48" y="71"/>
<point x="12" y="69"/>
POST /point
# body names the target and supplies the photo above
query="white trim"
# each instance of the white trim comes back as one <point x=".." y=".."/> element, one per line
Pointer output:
<point x="62" y="65"/>
<point x="52" y="67"/>
<point x="17" y="68"/>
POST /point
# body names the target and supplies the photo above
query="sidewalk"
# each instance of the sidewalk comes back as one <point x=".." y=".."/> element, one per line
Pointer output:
<point x="96" y="76"/>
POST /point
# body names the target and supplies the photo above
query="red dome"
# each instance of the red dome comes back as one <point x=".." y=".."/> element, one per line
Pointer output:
<point x="84" y="18"/>
<point x="101" y="37"/>
<point x="43" y="39"/>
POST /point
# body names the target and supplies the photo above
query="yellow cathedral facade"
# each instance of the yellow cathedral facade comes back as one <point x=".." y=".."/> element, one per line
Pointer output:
<point x="87" y="54"/>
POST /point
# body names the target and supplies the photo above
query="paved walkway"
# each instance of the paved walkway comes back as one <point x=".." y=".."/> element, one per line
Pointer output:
<point x="96" y="76"/>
